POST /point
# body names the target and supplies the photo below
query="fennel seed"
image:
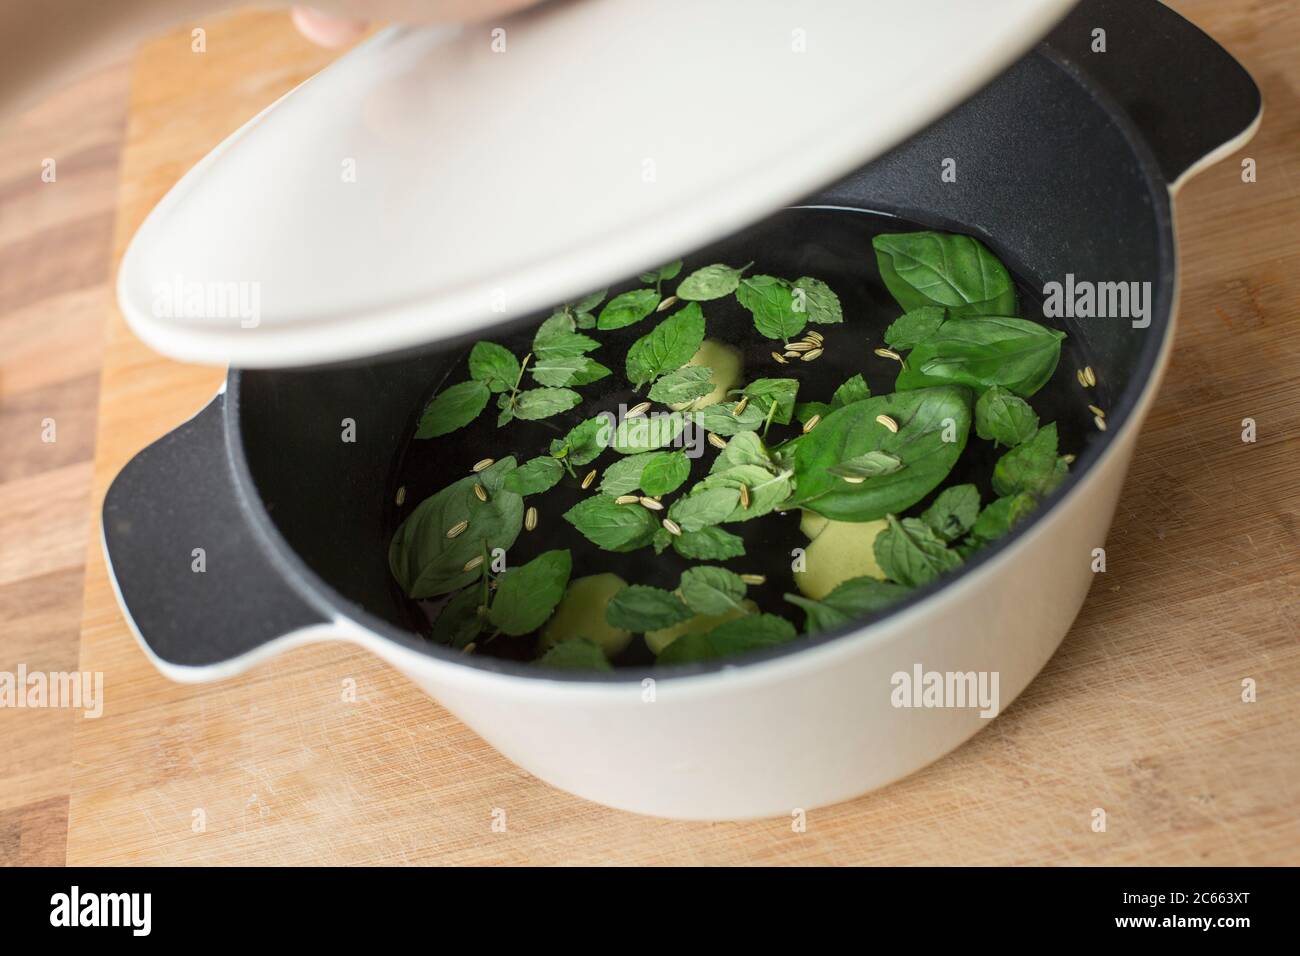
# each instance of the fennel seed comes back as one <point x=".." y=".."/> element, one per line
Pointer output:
<point x="636" y="411"/>
<point x="473" y="563"/>
<point x="457" y="529"/>
<point x="650" y="503"/>
<point x="1099" y="422"/>
<point x="482" y="465"/>
<point x="530" y="518"/>
<point x="744" y="495"/>
<point x="480" y="492"/>
<point x="754" y="579"/>
<point x="672" y="527"/>
<point x="889" y="354"/>
<point x="717" y="441"/>
<point x="591" y="476"/>
<point x="780" y="358"/>
<point x="801" y="346"/>
<point x="1097" y="411"/>
<point x="666" y="303"/>
<point x="627" y="499"/>
<point x="853" y="480"/>
<point x="401" y="495"/>
<point x="813" y="356"/>
<point x="811" y="423"/>
<point x="740" y="406"/>
<point x="888" y="423"/>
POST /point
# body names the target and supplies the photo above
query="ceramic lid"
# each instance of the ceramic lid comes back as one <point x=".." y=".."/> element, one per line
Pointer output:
<point x="437" y="180"/>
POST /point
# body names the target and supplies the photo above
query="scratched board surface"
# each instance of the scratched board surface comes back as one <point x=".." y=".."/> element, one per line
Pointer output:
<point x="1139" y="714"/>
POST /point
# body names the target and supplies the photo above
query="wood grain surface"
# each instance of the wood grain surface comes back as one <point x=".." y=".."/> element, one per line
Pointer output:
<point x="1139" y="713"/>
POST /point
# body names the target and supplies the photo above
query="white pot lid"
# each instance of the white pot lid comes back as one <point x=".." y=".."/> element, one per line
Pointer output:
<point x="437" y="180"/>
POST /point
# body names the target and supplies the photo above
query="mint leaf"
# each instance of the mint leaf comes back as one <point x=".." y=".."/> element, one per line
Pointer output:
<point x="771" y="301"/>
<point x="569" y="370"/>
<point x="665" y="473"/>
<point x="910" y="552"/>
<point x="452" y="408"/>
<point x="585" y="441"/>
<point x="610" y="526"/>
<point x="1004" y="417"/>
<point x="588" y="302"/>
<point x="944" y="269"/>
<point x="853" y="390"/>
<point x="662" y="274"/>
<point x="721" y="420"/>
<point x="556" y="338"/>
<point x="1031" y="466"/>
<point x="763" y="392"/>
<point x="627" y="309"/>
<point x="749" y="633"/>
<point x="494" y="366"/>
<point x="535" y="476"/>
<point x="624" y="476"/>
<point x="953" y="512"/>
<point x="667" y="347"/>
<point x="526" y="596"/>
<point x="684" y="385"/>
<point x="1001" y="515"/>
<point x="544" y="402"/>
<point x="815" y="298"/>
<point x="646" y="432"/>
<point x="700" y="509"/>
<point x="804" y="411"/>
<point x="913" y="328"/>
<point x="708" y="544"/>
<point x="711" y="590"/>
<point x="638" y="608"/>
<point x="851" y="599"/>
<point x="766" y="490"/>
<point x="459" y="622"/>
<point x="744" y="449"/>
<point x="711" y="282"/>
<point x="576" y="654"/>
<point x="871" y="464"/>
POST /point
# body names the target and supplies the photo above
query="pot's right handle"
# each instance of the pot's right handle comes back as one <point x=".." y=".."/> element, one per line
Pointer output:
<point x="203" y="595"/>
<point x="1191" y="100"/>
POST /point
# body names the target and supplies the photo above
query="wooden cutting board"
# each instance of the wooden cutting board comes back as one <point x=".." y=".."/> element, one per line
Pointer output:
<point x="1139" y="714"/>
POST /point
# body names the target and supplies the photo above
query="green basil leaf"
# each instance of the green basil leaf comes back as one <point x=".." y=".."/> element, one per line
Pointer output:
<point x="662" y="274"/>
<point x="746" y="448"/>
<point x="576" y="654"/>
<point x="494" y="366"/>
<point x="851" y="600"/>
<point x="711" y="282"/>
<point x="708" y="544"/>
<point x="459" y="622"/>
<point x="1015" y="353"/>
<point x="712" y="590"/>
<point x="535" y="476"/>
<point x="702" y="508"/>
<point x="646" y="432"/>
<point x="1001" y="515"/>
<point x="913" y="328"/>
<point x="910" y="552"/>
<point x="815" y="298"/>
<point x="771" y="301"/>
<point x="936" y="268"/>
<point x="610" y="526"/>
<point x="544" y="402"/>
<point x="925" y="419"/>
<point x="1031" y="466"/>
<point x="639" y="608"/>
<point x="749" y="633"/>
<point x="526" y="596"/>
<point x="665" y="473"/>
<point x="627" y="309"/>
<point x="854" y="390"/>
<point x="556" y="338"/>
<point x="425" y="562"/>
<point x="764" y="391"/>
<point x="568" y="370"/>
<point x="585" y="441"/>
<point x="452" y="408"/>
<point x="1004" y="417"/>
<point x="684" y="385"/>
<point x="870" y="464"/>
<point x="667" y="347"/>
<point x="722" y="420"/>
<point x="954" y="512"/>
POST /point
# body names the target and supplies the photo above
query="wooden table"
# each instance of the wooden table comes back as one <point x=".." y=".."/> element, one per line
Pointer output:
<point x="1139" y="713"/>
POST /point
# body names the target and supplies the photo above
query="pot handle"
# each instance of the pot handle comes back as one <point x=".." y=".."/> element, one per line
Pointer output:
<point x="1190" y="99"/>
<point x="192" y="577"/>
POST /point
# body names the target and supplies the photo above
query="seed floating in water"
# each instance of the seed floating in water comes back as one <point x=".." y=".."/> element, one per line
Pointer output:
<point x="813" y="356"/>
<point x="888" y="423"/>
<point x="815" y="337"/>
<point x="672" y="527"/>
<point x="800" y="347"/>
<point x="791" y="354"/>
<point x="754" y="579"/>
<point x="591" y="476"/>
<point x="744" y="495"/>
<point x="480" y="493"/>
<point x="530" y="518"/>
<point x="780" y="358"/>
<point x="1097" y="411"/>
<point x="627" y="499"/>
<point x="651" y="504"/>
<point x="1099" y="422"/>
<point x="1068" y="459"/>
<point x="485" y="463"/>
<point x="740" y="406"/>
<point x="457" y="529"/>
<point x="401" y="495"/>
<point x="667" y="303"/>
<point x="636" y="411"/>
<point x="469" y="648"/>
<point x="853" y="480"/>
<point x="811" y="423"/>
<point x="889" y="354"/>
<point x="473" y="563"/>
<point x="717" y="441"/>
<point x="1087" y="378"/>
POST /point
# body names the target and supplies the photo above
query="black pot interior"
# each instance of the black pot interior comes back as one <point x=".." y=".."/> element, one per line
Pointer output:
<point x="1046" y="175"/>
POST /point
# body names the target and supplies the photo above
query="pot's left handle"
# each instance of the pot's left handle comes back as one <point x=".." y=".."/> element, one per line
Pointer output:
<point x="201" y="593"/>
